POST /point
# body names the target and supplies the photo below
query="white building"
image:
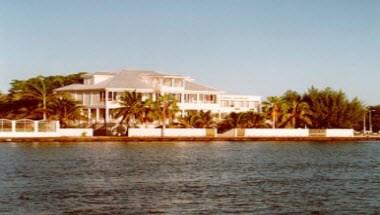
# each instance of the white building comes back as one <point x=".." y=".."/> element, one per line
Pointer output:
<point x="101" y="90"/>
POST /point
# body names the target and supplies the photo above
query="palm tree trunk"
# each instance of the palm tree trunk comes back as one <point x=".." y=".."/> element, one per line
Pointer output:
<point x="44" y="107"/>
<point x="294" y="121"/>
<point x="163" y="125"/>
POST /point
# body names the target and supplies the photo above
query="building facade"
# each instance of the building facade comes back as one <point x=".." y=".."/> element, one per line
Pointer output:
<point x="100" y="93"/>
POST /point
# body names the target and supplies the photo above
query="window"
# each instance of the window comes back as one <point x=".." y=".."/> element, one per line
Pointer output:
<point x="102" y="96"/>
<point x="207" y="98"/>
<point x="191" y="98"/>
<point x="168" y="82"/>
<point x="177" y="83"/>
<point x="109" y="96"/>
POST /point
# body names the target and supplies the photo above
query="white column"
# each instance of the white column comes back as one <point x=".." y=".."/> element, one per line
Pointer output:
<point x="198" y="97"/>
<point x="89" y="114"/>
<point x="57" y="126"/>
<point x="107" y="112"/>
<point x="154" y="96"/>
<point x="35" y="126"/>
<point x="13" y="126"/>
<point x="97" y="115"/>
<point x="182" y="98"/>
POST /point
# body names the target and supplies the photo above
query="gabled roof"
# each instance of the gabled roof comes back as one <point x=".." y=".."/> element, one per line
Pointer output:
<point x="131" y="79"/>
<point x="189" y="85"/>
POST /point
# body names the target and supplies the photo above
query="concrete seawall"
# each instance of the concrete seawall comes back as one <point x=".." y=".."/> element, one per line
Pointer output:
<point x="192" y="139"/>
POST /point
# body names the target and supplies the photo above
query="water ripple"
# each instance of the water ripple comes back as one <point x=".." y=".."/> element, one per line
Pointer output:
<point x="190" y="178"/>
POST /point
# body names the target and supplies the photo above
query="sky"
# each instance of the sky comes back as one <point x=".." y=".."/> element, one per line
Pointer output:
<point x="241" y="47"/>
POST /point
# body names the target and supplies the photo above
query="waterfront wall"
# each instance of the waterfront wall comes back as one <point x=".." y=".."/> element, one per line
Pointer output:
<point x="144" y="132"/>
<point x="283" y="132"/>
<point x="339" y="132"/>
<point x="76" y="132"/>
<point x="171" y="132"/>
<point x="31" y="128"/>
<point x="268" y="132"/>
<point x="189" y="132"/>
<point x="238" y="132"/>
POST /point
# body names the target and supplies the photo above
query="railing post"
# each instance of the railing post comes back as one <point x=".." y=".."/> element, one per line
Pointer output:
<point x="57" y="126"/>
<point x="35" y="126"/>
<point x="13" y="126"/>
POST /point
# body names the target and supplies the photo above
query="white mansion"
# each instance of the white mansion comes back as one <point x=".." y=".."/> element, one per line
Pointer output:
<point x="101" y="90"/>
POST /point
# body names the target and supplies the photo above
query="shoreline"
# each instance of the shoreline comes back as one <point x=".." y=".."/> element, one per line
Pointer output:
<point x="193" y="139"/>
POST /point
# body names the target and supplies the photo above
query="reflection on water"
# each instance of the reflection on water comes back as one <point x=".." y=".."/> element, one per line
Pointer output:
<point x="189" y="178"/>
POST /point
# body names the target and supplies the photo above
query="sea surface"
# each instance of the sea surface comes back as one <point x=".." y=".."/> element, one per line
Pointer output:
<point x="190" y="178"/>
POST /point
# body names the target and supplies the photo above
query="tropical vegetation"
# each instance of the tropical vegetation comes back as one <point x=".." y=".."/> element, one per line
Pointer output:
<point x="35" y="98"/>
<point x="30" y="98"/>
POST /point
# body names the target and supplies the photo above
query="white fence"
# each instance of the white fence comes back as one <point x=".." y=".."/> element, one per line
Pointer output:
<point x="30" y="128"/>
<point x="171" y="132"/>
<point x="268" y="132"/>
<point x="185" y="132"/>
<point x="76" y="132"/>
<point x="251" y="132"/>
<point x="339" y="132"/>
<point x="144" y="132"/>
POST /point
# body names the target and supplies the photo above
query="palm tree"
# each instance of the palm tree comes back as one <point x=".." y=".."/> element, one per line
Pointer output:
<point x="187" y="121"/>
<point x="274" y="107"/>
<point x="165" y="108"/>
<point x="298" y="112"/>
<point x="332" y="109"/>
<point x="229" y="122"/>
<point x="65" y="109"/>
<point x="197" y="119"/>
<point x="37" y="89"/>
<point x="147" y="114"/>
<point x="131" y="108"/>
<point x="251" y="119"/>
<point x="4" y="107"/>
<point x="204" y="120"/>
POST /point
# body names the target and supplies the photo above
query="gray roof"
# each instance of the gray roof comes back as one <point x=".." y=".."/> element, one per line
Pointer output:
<point x="189" y="85"/>
<point x="130" y="79"/>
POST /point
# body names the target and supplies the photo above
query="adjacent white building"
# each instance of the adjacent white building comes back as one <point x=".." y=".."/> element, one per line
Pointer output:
<point x="100" y="92"/>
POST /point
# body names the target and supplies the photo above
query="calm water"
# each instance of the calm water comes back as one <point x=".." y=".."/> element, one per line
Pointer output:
<point x="190" y="178"/>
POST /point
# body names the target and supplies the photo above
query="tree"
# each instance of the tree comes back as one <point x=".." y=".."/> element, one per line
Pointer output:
<point x="29" y="98"/>
<point x="165" y="109"/>
<point x="204" y="119"/>
<point x="299" y="113"/>
<point x="275" y="107"/>
<point x="187" y="121"/>
<point x="248" y="119"/>
<point x="375" y="118"/>
<point x="251" y="119"/>
<point x="332" y="109"/>
<point x="3" y="105"/>
<point x="37" y="90"/>
<point x="131" y="108"/>
<point x="65" y="109"/>
<point x="197" y="119"/>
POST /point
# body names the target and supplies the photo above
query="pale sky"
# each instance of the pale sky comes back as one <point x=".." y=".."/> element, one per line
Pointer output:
<point x="249" y="47"/>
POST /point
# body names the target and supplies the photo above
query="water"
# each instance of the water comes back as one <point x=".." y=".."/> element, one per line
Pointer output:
<point x="190" y="178"/>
